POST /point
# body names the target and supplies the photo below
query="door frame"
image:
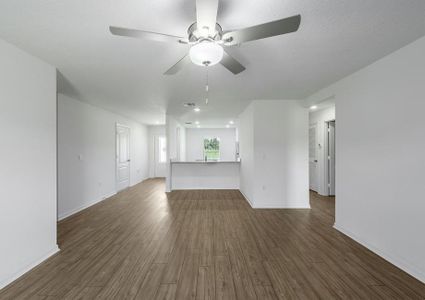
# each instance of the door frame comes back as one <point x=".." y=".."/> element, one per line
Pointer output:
<point x="116" y="155"/>
<point x="155" y="153"/>
<point x="316" y="149"/>
<point x="326" y="159"/>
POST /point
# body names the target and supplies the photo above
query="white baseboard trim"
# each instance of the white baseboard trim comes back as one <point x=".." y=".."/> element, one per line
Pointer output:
<point x="84" y="206"/>
<point x="396" y="261"/>
<point x="139" y="181"/>
<point x="91" y="203"/>
<point x="272" y="207"/>
<point x="214" y="188"/>
<point x="28" y="267"/>
<point x="282" y="207"/>
<point x="247" y="199"/>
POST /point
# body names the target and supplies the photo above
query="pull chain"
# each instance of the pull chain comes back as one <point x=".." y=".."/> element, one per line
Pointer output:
<point x="207" y="88"/>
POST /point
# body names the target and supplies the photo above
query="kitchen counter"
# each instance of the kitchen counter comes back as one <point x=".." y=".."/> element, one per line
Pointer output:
<point x="189" y="175"/>
<point x="207" y="162"/>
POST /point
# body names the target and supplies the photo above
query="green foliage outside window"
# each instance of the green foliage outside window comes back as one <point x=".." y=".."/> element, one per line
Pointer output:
<point x="212" y="148"/>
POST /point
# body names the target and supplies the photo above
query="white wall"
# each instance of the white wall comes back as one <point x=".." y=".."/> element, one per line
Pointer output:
<point x="172" y="144"/>
<point x="246" y="153"/>
<point x="195" y="142"/>
<point x="86" y="154"/>
<point x="153" y="131"/>
<point x="319" y="118"/>
<point x="380" y="146"/>
<point x="28" y="162"/>
<point x="280" y="154"/>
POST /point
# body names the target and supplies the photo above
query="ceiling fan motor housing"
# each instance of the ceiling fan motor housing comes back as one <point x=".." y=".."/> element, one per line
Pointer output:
<point x="199" y="34"/>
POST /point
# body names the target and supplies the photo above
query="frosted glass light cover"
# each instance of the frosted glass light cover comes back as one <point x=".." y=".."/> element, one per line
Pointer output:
<point x="206" y="53"/>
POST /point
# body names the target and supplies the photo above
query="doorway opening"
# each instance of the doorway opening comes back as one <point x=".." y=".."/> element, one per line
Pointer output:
<point x="322" y="150"/>
<point x="160" y="156"/>
<point x="322" y="157"/>
<point x="313" y="160"/>
<point x="330" y="157"/>
<point x="122" y="157"/>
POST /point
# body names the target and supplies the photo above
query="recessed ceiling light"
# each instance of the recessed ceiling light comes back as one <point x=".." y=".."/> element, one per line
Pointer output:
<point x="313" y="107"/>
<point x="231" y="122"/>
<point x="197" y="109"/>
<point x="198" y="126"/>
<point x="197" y="122"/>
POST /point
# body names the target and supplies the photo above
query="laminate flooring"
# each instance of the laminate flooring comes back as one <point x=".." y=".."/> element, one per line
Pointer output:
<point x="145" y="244"/>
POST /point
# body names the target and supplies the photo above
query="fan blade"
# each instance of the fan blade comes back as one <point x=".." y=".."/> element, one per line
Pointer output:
<point x="148" y="35"/>
<point x="231" y="64"/>
<point x="178" y="66"/>
<point x="262" y="31"/>
<point x="206" y="15"/>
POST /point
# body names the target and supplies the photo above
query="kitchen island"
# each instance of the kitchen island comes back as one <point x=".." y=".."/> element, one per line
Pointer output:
<point x="204" y="175"/>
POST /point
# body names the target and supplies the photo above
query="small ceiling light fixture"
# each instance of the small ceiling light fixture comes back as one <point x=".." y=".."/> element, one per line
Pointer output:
<point x="197" y="122"/>
<point x="196" y="109"/>
<point x="313" y="107"/>
<point x="206" y="53"/>
<point x="231" y="122"/>
<point x="198" y="126"/>
<point x="189" y="104"/>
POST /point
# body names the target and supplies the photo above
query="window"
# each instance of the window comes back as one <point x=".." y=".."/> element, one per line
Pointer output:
<point x="212" y="148"/>
<point x="162" y="149"/>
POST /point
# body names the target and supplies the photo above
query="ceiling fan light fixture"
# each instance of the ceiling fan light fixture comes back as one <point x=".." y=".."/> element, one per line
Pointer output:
<point x="206" y="53"/>
<point x="207" y="37"/>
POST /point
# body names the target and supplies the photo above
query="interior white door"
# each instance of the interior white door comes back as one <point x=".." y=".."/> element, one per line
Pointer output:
<point x="122" y="157"/>
<point x="160" y="143"/>
<point x="313" y="157"/>
<point x="331" y="158"/>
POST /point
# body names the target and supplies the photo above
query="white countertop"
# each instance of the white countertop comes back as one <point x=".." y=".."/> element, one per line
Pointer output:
<point x="206" y="162"/>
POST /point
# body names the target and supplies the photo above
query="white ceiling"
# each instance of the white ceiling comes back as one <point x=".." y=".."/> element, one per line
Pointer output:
<point x="336" y="38"/>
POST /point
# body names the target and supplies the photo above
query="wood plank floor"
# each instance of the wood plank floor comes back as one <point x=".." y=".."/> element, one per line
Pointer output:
<point x="144" y="244"/>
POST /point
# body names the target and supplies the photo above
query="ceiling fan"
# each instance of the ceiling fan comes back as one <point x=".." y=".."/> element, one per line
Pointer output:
<point x="207" y="38"/>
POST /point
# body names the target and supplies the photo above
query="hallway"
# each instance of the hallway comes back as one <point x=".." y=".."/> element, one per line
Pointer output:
<point x="145" y="244"/>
